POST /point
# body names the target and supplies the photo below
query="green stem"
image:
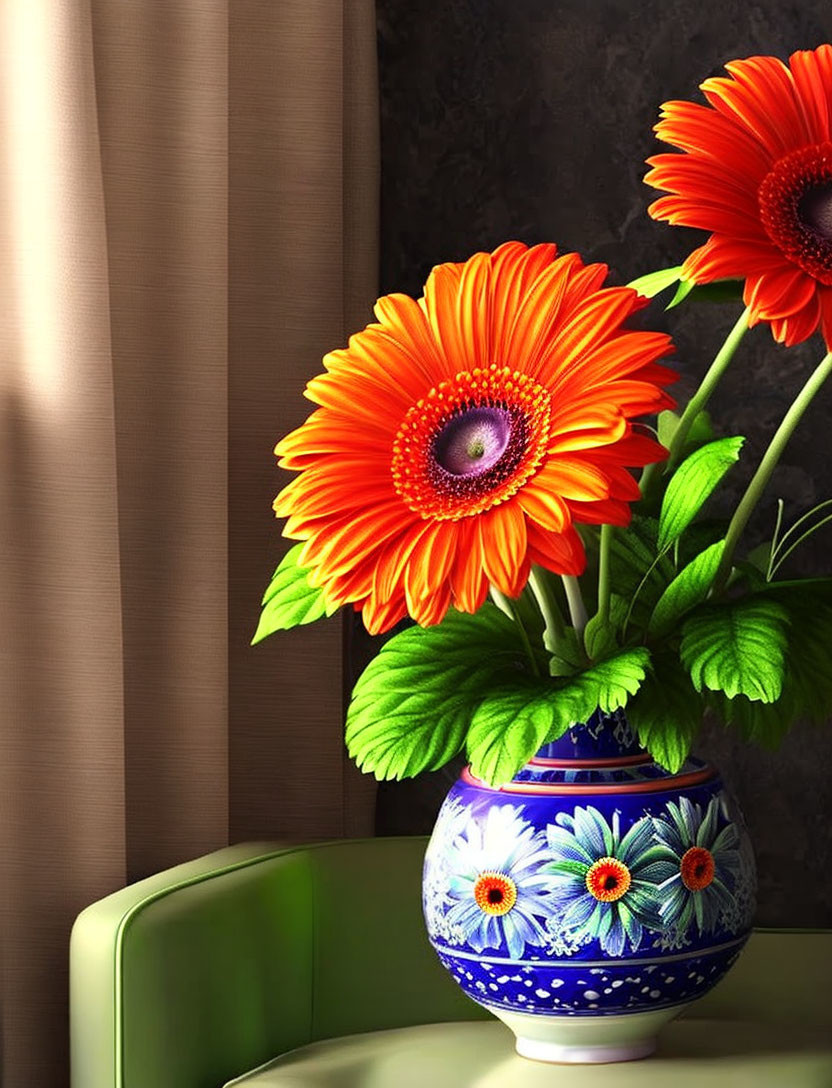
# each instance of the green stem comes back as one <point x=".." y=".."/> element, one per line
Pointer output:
<point x="774" y="543"/>
<point x="698" y="401"/>
<point x="767" y="465"/>
<point x="505" y="605"/>
<point x="577" y="608"/>
<point x="778" y="545"/>
<point x="548" y="605"/>
<point x="604" y="573"/>
<point x="809" y="532"/>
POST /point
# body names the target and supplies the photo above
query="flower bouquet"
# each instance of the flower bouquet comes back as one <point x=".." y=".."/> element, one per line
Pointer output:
<point x="501" y="461"/>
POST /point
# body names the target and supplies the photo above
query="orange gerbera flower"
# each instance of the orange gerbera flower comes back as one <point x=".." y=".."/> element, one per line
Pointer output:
<point x="459" y="437"/>
<point x="757" y="173"/>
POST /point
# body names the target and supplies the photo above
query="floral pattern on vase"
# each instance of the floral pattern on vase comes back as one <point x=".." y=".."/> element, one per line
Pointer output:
<point x="559" y="897"/>
<point x="500" y="895"/>
<point x="601" y="879"/>
<point x="700" y="866"/>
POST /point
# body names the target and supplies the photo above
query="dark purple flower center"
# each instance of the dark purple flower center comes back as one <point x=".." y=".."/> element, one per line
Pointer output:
<point x="815" y="210"/>
<point x="473" y="442"/>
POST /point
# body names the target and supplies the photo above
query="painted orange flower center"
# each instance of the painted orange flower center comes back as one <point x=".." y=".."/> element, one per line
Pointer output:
<point x="471" y="443"/>
<point x="795" y="200"/>
<point x="697" y="868"/>
<point x="608" y="879"/>
<point x="495" y="893"/>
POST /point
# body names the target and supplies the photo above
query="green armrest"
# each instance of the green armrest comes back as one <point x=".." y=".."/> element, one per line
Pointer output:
<point x="199" y="974"/>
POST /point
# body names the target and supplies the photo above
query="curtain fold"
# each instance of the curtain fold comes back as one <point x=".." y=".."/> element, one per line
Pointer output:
<point x="188" y="210"/>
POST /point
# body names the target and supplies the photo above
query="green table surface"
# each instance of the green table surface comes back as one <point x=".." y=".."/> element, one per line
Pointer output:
<point x="692" y="1053"/>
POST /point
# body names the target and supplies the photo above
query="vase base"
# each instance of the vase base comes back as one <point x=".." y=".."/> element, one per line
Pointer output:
<point x="587" y="1039"/>
<point x="541" y="1051"/>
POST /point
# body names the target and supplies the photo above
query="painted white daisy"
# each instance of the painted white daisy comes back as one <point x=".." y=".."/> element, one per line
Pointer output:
<point x="499" y="892"/>
<point x="603" y="883"/>
<point x="700" y="865"/>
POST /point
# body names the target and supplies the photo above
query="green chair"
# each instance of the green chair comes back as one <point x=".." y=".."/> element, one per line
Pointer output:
<point x="225" y="965"/>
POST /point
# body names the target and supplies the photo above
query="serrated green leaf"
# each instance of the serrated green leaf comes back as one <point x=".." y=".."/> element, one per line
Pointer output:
<point x="691" y="485"/>
<point x="689" y="588"/>
<point x="412" y="705"/>
<point x="290" y="600"/>
<point x="807" y="679"/>
<point x="737" y="648"/>
<point x="653" y="283"/>
<point x="517" y="717"/>
<point x="666" y="712"/>
<point x="509" y="726"/>
<point x="609" y="684"/>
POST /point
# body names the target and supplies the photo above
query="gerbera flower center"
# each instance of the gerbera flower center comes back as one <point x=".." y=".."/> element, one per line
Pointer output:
<point x="697" y="868"/>
<point x="495" y="893"/>
<point x="471" y="442"/>
<point x="608" y="879"/>
<point x="795" y="200"/>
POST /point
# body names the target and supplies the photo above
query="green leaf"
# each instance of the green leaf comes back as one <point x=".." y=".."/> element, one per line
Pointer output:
<point x="807" y="680"/>
<point x="516" y="717"/>
<point x="290" y="600"/>
<point x="701" y="430"/>
<point x="691" y="485"/>
<point x="653" y="283"/>
<point x="737" y="648"/>
<point x="666" y="712"/>
<point x="411" y="706"/>
<point x="509" y="726"/>
<point x="688" y="589"/>
<point x="719" y="291"/>
<point x="608" y="684"/>
<point x="632" y="553"/>
<point x="682" y="291"/>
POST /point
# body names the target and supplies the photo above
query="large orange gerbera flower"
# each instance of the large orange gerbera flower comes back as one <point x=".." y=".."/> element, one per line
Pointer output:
<point x="757" y="173"/>
<point x="460" y="436"/>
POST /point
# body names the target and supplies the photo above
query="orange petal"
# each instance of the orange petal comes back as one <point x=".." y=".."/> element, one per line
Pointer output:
<point x="604" y="512"/>
<point x="538" y="315"/>
<point x="427" y="575"/>
<point x="573" y="479"/>
<point x="812" y="73"/>
<point x="514" y="270"/>
<point x="391" y="565"/>
<point x="439" y="306"/>
<point x="468" y="581"/>
<point x="380" y="616"/>
<point x="403" y="319"/>
<point x="704" y="132"/>
<point x="473" y="311"/>
<point x="504" y="546"/>
<point x="760" y="97"/>
<point x="543" y="506"/>
<point x="561" y="553"/>
<point x="340" y="544"/>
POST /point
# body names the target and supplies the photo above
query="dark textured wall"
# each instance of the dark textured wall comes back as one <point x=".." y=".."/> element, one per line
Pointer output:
<point x="531" y="119"/>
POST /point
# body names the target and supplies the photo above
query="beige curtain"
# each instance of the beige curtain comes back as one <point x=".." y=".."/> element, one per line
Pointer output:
<point x="188" y="194"/>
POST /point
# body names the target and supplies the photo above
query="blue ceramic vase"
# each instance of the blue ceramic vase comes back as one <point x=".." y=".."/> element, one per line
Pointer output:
<point x="589" y="900"/>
